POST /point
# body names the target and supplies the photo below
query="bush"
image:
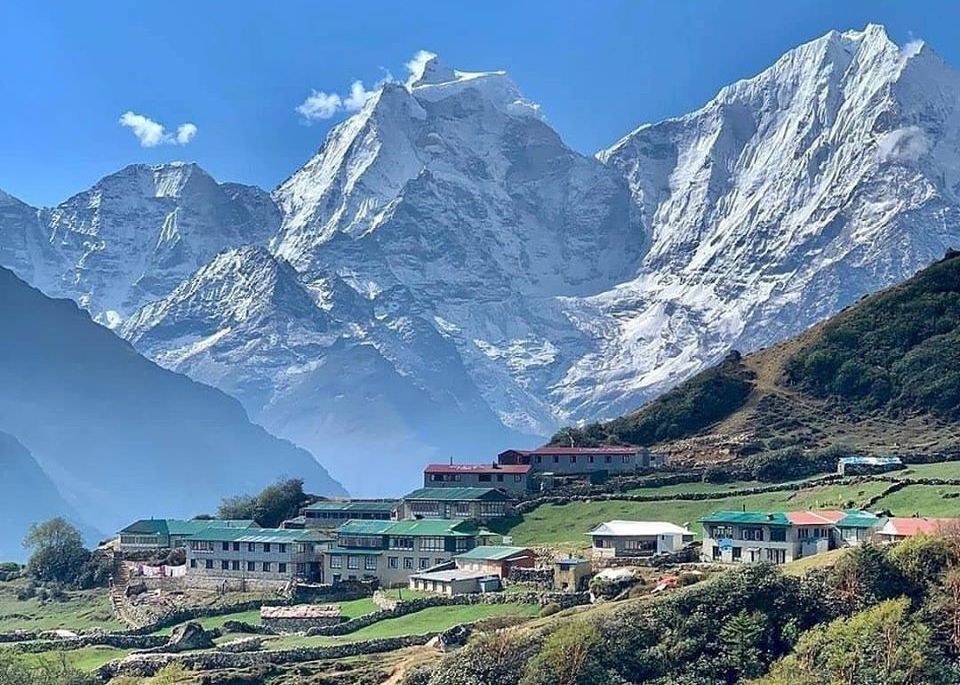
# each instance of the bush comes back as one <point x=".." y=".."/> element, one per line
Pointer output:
<point x="28" y="591"/>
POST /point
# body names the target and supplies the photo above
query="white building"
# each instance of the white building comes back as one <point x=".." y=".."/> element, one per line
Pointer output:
<point x="617" y="539"/>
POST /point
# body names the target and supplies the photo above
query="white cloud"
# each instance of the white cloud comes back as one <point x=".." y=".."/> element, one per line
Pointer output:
<point x="152" y="133"/>
<point x="319" y="105"/>
<point x="185" y="133"/>
<point x="358" y="96"/>
<point x="418" y="62"/>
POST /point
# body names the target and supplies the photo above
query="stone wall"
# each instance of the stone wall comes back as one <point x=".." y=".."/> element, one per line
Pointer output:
<point x="120" y="641"/>
<point x="537" y="578"/>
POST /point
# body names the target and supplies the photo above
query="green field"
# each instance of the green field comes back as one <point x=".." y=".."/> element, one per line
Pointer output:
<point x="946" y="470"/>
<point x="431" y="620"/>
<point x="83" y="609"/>
<point x="83" y="659"/>
<point x="697" y="487"/>
<point x="566" y="525"/>
<point x="923" y="500"/>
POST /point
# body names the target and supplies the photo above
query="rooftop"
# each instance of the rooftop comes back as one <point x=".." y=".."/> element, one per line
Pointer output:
<point x="420" y="527"/>
<point x="603" y="449"/>
<point x="908" y="527"/>
<point x="183" y="527"/>
<point x="278" y="535"/>
<point x="493" y="552"/>
<point x="639" y="528"/>
<point x="871" y="461"/>
<point x="478" y="468"/>
<point x="451" y="575"/>
<point x="774" y="518"/>
<point x="383" y="505"/>
<point x="301" y="611"/>
<point x="458" y="494"/>
<point x="852" y="518"/>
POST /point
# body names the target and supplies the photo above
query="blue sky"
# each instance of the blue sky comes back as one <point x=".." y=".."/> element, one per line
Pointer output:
<point x="238" y="70"/>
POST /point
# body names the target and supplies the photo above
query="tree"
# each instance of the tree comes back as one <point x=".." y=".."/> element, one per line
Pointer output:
<point x="864" y="577"/>
<point x="881" y="645"/>
<point x="944" y="610"/>
<point x="743" y="639"/>
<point x="57" y="551"/>
<point x="275" y="504"/>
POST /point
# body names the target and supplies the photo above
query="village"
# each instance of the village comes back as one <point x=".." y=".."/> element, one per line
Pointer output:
<point x="442" y="539"/>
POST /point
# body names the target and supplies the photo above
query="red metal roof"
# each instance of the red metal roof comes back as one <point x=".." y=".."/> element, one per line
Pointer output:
<point x="608" y="449"/>
<point x="477" y="468"/>
<point x="908" y="527"/>
<point x="813" y="518"/>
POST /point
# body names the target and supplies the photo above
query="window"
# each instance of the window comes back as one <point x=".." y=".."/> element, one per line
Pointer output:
<point x="201" y="545"/>
<point x="235" y="565"/>
<point x="590" y="459"/>
<point x="236" y="547"/>
<point x="608" y="459"/>
<point x="401" y="543"/>
<point x="370" y="563"/>
<point x="626" y="458"/>
<point x="283" y="548"/>
<point x="436" y="477"/>
<point x="431" y="544"/>
<point x="499" y="477"/>
<point x="251" y="547"/>
<point x="301" y="570"/>
<point x="573" y="458"/>
<point x="491" y="509"/>
<point x="266" y="567"/>
<point x="463" y="508"/>
<point x="193" y="563"/>
<point x="484" y="478"/>
<point x="751" y="534"/>
<point x="266" y="547"/>
<point x="408" y="562"/>
<point x="251" y="566"/>
<point x="778" y="535"/>
<point x="777" y="556"/>
<point x="424" y="563"/>
<point x="336" y="561"/>
<point x="225" y="546"/>
<point x="737" y="553"/>
<point x="539" y="459"/>
<point x="456" y="477"/>
<point x="353" y="561"/>
<point x="281" y="567"/>
<point x="556" y="459"/>
<point x="393" y="562"/>
<point x="721" y="532"/>
<point x="209" y="563"/>
<point x="716" y="552"/>
<point x="463" y="544"/>
<point x="518" y="478"/>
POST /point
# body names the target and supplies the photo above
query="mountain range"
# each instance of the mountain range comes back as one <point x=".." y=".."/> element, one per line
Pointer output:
<point x="92" y="430"/>
<point x="445" y="276"/>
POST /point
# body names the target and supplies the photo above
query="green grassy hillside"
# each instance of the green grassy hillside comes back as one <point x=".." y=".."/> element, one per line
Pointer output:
<point x="883" y="376"/>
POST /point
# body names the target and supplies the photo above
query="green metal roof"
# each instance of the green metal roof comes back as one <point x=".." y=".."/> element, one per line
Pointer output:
<point x="459" y="494"/>
<point x="858" y="519"/>
<point x="182" y="527"/>
<point x="773" y="518"/>
<point x="386" y="506"/>
<point x="353" y="550"/>
<point x="420" y="527"/>
<point x="492" y="552"/>
<point x="278" y="535"/>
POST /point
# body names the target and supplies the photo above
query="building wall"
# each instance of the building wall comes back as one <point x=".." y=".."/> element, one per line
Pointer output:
<point x="612" y="546"/>
<point x="282" y="560"/>
<point x="513" y="483"/>
<point x="133" y="542"/>
<point x="494" y="567"/>
<point x="446" y="509"/>
<point x="392" y="567"/>
<point x="796" y="543"/>
<point x="579" y="463"/>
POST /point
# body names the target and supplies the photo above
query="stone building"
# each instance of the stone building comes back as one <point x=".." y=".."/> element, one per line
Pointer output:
<point x="610" y="459"/>
<point x="390" y="551"/>
<point x="632" y="539"/>
<point x="254" y="560"/>
<point x="156" y="534"/>
<point x="513" y="479"/>
<point x="331" y="513"/>
<point x="481" y="504"/>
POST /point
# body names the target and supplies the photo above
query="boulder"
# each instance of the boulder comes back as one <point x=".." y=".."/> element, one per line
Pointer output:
<point x="187" y="637"/>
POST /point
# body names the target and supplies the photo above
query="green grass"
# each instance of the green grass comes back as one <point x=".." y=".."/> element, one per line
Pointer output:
<point x="431" y="620"/>
<point x="83" y="659"/>
<point x="566" y="525"/>
<point x="925" y="500"/>
<point x="700" y="486"/>
<point x="83" y="609"/>
<point x="946" y="470"/>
